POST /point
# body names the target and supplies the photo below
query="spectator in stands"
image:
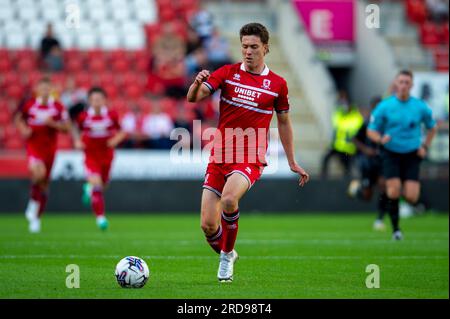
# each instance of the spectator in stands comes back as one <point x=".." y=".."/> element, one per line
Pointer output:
<point x="132" y="123"/>
<point x="156" y="128"/>
<point x="51" y="52"/>
<point x="181" y="119"/>
<point x="203" y="24"/>
<point x="196" y="55"/>
<point x="438" y="10"/>
<point x="218" y="50"/>
<point x="168" y="62"/>
<point x="74" y="99"/>
<point x="346" y="122"/>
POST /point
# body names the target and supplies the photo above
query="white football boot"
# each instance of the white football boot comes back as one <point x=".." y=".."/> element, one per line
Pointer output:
<point x="226" y="266"/>
<point x="397" y="235"/>
<point x="31" y="215"/>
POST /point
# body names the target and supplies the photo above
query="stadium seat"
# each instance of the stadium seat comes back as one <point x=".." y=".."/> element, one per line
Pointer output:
<point x="26" y="65"/>
<point x="86" y="41"/>
<point x="14" y="91"/>
<point x="429" y="34"/>
<point x="134" y="41"/>
<point x="97" y="65"/>
<point x="111" y="90"/>
<point x="107" y="78"/>
<point x="74" y="64"/>
<point x="5" y="65"/>
<point x="134" y="91"/>
<point x="7" y="13"/>
<point x="14" y="143"/>
<point x="120" y="65"/>
<point x="83" y="79"/>
<point x="110" y="41"/>
<point x="52" y="13"/>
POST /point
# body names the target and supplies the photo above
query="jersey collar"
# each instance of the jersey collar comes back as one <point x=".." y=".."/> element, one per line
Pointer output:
<point x="265" y="71"/>
<point x="50" y="101"/>
<point x="103" y="111"/>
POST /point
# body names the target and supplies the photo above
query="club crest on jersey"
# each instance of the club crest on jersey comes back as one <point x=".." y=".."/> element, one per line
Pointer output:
<point x="266" y="84"/>
<point x="237" y="77"/>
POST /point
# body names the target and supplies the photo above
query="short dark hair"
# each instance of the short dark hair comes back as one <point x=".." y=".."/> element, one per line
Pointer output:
<point x="256" y="29"/>
<point x="97" y="89"/>
<point x="407" y="73"/>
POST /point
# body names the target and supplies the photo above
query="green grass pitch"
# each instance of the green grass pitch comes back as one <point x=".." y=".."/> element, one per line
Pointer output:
<point x="282" y="256"/>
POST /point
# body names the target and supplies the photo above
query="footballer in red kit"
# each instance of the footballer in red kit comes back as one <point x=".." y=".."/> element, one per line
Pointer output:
<point x="97" y="132"/>
<point x="250" y="94"/>
<point x="39" y="121"/>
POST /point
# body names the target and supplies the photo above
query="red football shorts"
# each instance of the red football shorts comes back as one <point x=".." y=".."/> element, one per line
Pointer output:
<point x="39" y="155"/>
<point x="98" y="166"/>
<point x="217" y="174"/>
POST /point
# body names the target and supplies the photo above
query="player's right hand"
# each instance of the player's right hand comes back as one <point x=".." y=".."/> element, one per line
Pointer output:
<point x="385" y="139"/>
<point x="26" y="132"/>
<point x="202" y="76"/>
<point x="79" y="145"/>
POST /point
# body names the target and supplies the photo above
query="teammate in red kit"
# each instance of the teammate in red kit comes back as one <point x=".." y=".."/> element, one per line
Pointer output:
<point x="39" y="121"/>
<point x="100" y="134"/>
<point x="250" y="93"/>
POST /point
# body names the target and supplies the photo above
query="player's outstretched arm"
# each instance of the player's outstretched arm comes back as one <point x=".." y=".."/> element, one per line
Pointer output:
<point x="22" y="126"/>
<point x="62" y="126"/>
<point x="197" y="91"/>
<point x="118" y="138"/>
<point x="76" y="136"/>
<point x="287" y="140"/>
<point x="377" y="138"/>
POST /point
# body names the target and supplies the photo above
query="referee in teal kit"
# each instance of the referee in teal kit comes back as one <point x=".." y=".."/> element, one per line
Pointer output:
<point x="397" y="125"/>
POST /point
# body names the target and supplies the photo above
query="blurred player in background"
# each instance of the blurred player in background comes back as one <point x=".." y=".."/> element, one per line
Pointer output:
<point x="250" y="93"/>
<point x="39" y="120"/>
<point x="97" y="132"/>
<point x="396" y="124"/>
<point x="370" y="170"/>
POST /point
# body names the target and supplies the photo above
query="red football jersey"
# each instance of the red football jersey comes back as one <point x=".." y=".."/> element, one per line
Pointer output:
<point x="97" y="129"/>
<point x="247" y="103"/>
<point x="35" y="114"/>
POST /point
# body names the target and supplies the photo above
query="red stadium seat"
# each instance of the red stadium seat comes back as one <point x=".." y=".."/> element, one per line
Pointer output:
<point x="97" y="54"/>
<point x="145" y="105"/>
<point x="5" y="117"/>
<point x="118" y="54"/>
<point x="26" y="65"/>
<point x="111" y="90"/>
<point x="107" y="78"/>
<point x="15" y="91"/>
<point x="70" y="54"/>
<point x="5" y="65"/>
<point x="120" y="65"/>
<point x="74" y="64"/>
<point x="429" y="34"/>
<point x="134" y="91"/>
<point x="83" y="80"/>
<point x="97" y="65"/>
<point x="64" y="141"/>
<point x="416" y="11"/>
<point x="14" y="143"/>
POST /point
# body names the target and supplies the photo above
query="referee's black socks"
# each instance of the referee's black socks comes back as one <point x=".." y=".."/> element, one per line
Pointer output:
<point x="393" y="209"/>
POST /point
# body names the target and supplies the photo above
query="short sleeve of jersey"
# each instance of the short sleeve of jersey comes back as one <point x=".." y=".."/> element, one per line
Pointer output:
<point x="216" y="79"/>
<point x="63" y="115"/>
<point x="377" y="119"/>
<point x="427" y="117"/>
<point x="281" y="104"/>
<point x="24" y="109"/>
<point x="115" y="118"/>
<point x="79" y="119"/>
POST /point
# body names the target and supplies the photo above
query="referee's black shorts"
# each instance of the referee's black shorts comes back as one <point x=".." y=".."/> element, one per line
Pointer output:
<point x="398" y="165"/>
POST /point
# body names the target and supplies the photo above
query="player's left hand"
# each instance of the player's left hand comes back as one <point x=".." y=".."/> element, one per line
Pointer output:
<point x="49" y="121"/>
<point x="111" y="143"/>
<point x="304" y="176"/>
